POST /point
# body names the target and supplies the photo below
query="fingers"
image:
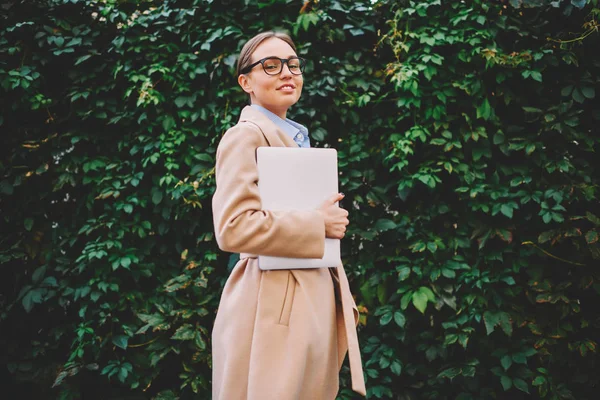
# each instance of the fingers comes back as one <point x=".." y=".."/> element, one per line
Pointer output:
<point x="336" y="197"/>
<point x="338" y="231"/>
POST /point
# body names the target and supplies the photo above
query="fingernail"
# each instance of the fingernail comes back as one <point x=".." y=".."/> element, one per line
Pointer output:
<point x="342" y="194"/>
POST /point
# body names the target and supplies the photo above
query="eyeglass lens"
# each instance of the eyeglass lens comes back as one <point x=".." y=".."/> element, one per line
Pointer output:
<point x="273" y="66"/>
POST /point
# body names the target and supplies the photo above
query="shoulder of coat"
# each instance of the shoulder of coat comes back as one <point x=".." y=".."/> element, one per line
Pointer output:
<point x="245" y="131"/>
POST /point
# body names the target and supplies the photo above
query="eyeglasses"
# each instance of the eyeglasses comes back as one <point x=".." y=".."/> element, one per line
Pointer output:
<point x="274" y="65"/>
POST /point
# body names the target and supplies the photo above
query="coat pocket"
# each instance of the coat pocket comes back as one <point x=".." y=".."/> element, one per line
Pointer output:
<point x="288" y="300"/>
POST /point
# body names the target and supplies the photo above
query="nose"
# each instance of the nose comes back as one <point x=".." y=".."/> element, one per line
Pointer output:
<point x="285" y="71"/>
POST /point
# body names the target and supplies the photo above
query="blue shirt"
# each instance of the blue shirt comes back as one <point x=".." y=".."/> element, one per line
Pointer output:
<point x="296" y="131"/>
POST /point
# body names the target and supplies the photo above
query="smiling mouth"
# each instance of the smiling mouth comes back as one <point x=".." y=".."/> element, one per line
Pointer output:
<point x="286" y="87"/>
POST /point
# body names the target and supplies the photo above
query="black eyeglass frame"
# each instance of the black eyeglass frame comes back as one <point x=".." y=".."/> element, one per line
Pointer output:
<point x="283" y="61"/>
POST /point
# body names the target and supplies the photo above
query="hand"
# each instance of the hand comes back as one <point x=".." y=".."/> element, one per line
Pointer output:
<point x="336" y="218"/>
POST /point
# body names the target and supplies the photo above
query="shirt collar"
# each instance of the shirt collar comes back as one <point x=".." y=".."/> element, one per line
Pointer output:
<point x="289" y="127"/>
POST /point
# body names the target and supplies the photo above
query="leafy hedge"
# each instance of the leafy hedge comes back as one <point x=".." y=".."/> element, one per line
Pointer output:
<point x="466" y="137"/>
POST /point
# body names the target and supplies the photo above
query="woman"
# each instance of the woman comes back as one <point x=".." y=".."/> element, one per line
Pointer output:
<point x="280" y="334"/>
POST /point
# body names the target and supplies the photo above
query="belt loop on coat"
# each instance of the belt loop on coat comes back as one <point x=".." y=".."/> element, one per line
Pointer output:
<point x="356" y="370"/>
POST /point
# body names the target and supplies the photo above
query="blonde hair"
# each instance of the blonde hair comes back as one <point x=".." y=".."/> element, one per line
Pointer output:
<point x="246" y="54"/>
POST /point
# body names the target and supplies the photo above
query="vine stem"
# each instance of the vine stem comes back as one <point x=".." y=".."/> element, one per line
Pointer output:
<point x="530" y="243"/>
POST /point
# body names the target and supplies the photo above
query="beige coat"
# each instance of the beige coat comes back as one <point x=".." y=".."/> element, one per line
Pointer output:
<point x="281" y="334"/>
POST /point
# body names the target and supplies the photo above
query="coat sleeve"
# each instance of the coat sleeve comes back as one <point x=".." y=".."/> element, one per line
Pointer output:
<point x="240" y="224"/>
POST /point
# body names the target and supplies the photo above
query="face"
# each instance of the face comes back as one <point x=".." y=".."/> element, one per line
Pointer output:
<point x="276" y="93"/>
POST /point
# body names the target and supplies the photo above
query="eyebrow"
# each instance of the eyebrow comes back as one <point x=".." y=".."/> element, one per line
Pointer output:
<point x="293" y="55"/>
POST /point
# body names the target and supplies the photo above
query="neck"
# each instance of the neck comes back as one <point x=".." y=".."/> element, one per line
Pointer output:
<point x="282" y="113"/>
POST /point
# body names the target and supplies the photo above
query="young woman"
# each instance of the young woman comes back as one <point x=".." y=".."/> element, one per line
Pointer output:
<point x="280" y="334"/>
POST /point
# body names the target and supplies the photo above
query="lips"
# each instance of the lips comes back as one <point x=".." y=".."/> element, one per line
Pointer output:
<point x="288" y="86"/>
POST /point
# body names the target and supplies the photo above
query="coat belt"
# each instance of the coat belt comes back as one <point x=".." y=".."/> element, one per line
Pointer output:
<point x="356" y="370"/>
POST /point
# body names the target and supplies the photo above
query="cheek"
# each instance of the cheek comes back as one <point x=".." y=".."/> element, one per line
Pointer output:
<point x="299" y="82"/>
<point x="266" y="84"/>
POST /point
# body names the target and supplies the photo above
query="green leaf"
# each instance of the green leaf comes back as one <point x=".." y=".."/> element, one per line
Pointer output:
<point x="506" y="210"/>
<point x="506" y="323"/>
<point x="592" y="218"/>
<point x="168" y="123"/>
<point x="28" y="223"/>
<point x="578" y="96"/>
<point x="157" y="197"/>
<point x="38" y="274"/>
<point x="588" y="92"/>
<point x="448" y="273"/>
<point x="383" y="225"/>
<point x="403" y="273"/>
<point x="385" y="318"/>
<point x="491" y="320"/>
<point x="498" y="138"/>
<point x="419" y="300"/>
<point x="184" y="332"/>
<point x="396" y="368"/>
<point x="538" y="381"/>
<point x="120" y="341"/>
<point x="32" y="297"/>
<point x="506" y="382"/>
<point x="484" y="110"/>
<point x="125" y="262"/>
<point x="532" y="110"/>
<point x="400" y="319"/>
<point x="506" y="362"/>
<point x="591" y="237"/>
<point x="405" y="300"/>
<point x="122" y="375"/>
<point x="566" y="91"/>
<point x="428" y="293"/>
<point x="521" y="385"/>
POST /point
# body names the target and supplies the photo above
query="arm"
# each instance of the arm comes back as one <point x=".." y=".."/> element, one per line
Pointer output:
<point x="240" y="224"/>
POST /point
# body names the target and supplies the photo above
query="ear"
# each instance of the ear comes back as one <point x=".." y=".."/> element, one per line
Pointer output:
<point x="245" y="83"/>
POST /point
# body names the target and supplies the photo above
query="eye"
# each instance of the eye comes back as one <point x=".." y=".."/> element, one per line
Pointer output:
<point x="272" y="64"/>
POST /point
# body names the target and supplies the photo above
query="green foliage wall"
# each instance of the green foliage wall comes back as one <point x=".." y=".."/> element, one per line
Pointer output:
<point x="466" y="136"/>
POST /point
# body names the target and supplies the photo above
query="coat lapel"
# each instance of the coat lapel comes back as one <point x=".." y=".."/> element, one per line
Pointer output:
<point x="273" y="134"/>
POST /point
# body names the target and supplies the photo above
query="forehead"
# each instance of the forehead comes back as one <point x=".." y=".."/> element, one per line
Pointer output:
<point x="273" y="47"/>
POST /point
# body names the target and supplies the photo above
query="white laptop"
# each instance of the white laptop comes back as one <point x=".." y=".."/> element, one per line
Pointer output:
<point x="297" y="179"/>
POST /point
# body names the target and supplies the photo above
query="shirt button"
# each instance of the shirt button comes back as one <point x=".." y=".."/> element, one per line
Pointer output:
<point x="300" y="137"/>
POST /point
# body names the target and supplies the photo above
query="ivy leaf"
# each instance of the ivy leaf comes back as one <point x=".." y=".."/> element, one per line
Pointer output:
<point x="419" y="300"/>
<point x="32" y="297"/>
<point x="578" y="96"/>
<point x="498" y="138"/>
<point x="157" y="197"/>
<point x="403" y="273"/>
<point x="591" y="237"/>
<point x="396" y="368"/>
<point x="383" y="225"/>
<point x="506" y="210"/>
<point x="484" y="110"/>
<point x="168" y="123"/>
<point x="385" y="318"/>
<point x="400" y="319"/>
<point x="506" y="362"/>
<point x="588" y="92"/>
<point x="184" y="332"/>
<point x="521" y="385"/>
<point x="506" y="382"/>
<point x="491" y="320"/>
<point x="120" y="341"/>
<point x="592" y="218"/>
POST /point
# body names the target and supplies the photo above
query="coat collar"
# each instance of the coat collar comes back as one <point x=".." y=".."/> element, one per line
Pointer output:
<point x="275" y="136"/>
